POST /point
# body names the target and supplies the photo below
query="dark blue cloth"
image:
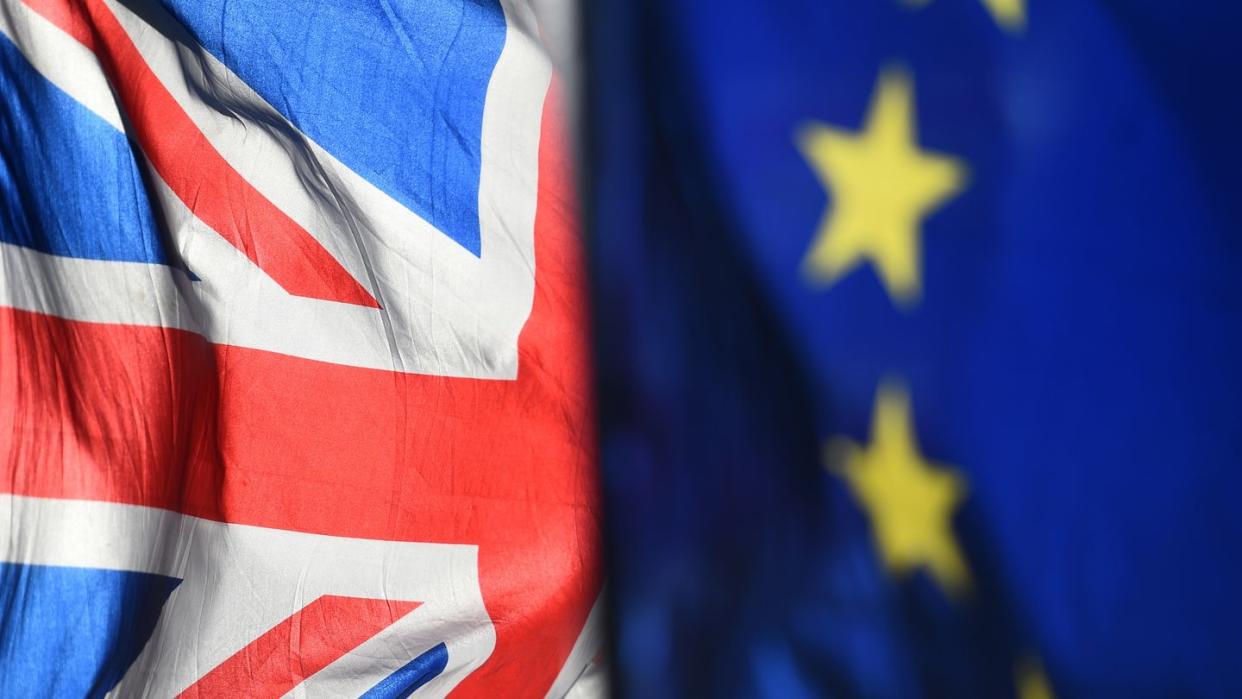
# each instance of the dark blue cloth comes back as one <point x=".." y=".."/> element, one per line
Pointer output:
<point x="1074" y="352"/>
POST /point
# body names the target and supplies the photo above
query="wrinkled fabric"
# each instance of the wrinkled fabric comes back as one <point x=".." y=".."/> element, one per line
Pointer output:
<point x="293" y="378"/>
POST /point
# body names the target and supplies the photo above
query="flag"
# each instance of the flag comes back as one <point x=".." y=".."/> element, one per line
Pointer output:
<point x="293" y="388"/>
<point x="918" y="340"/>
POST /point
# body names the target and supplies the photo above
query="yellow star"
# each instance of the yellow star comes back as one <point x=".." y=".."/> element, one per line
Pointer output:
<point x="1032" y="681"/>
<point x="909" y="500"/>
<point x="1009" y="14"/>
<point x="882" y="187"/>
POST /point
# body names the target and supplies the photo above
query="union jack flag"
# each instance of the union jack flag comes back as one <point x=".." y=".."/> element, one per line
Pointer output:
<point x="293" y="389"/>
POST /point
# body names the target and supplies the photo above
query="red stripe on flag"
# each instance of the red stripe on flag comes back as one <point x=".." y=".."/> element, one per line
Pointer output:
<point x="68" y="16"/>
<point x="108" y="412"/>
<point x="159" y="417"/>
<point x="195" y="170"/>
<point x="298" y="647"/>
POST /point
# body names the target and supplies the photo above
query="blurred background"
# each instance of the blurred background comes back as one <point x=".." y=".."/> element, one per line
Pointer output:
<point x="917" y="337"/>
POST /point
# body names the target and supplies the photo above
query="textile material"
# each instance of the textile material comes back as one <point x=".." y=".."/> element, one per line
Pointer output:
<point x="293" y="386"/>
<point x="918" y="346"/>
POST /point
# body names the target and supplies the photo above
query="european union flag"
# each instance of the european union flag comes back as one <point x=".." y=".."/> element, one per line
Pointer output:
<point x="920" y="345"/>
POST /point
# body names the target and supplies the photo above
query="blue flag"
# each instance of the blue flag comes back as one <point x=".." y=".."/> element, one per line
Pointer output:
<point x="918" y="341"/>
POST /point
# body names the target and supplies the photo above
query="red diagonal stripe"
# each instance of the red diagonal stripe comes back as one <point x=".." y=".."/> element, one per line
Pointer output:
<point x="195" y="170"/>
<point x="68" y="16"/>
<point x="160" y="417"/>
<point x="298" y="647"/>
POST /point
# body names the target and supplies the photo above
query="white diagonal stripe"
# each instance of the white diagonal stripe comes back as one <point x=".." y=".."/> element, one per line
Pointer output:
<point x="239" y="581"/>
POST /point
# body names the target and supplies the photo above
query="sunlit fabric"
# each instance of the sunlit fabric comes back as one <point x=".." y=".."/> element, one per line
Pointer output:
<point x="293" y="387"/>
